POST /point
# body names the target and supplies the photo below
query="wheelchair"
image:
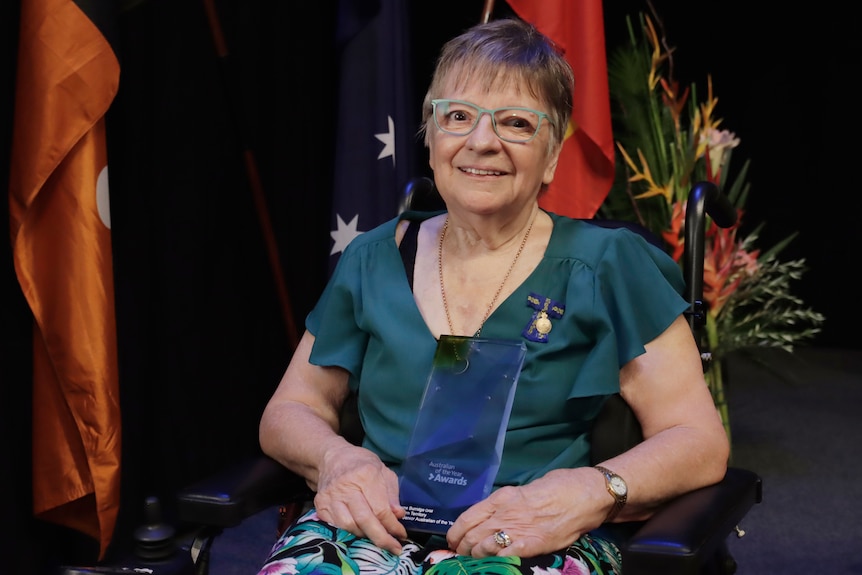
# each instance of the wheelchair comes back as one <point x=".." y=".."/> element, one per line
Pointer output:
<point x="686" y="536"/>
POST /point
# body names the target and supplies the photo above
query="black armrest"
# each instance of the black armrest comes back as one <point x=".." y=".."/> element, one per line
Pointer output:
<point x="226" y="499"/>
<point x="691" y="528"/>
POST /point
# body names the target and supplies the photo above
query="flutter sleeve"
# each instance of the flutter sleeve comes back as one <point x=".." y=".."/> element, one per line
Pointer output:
<point x="334" y="320"/>
<point x="636" y="294"/>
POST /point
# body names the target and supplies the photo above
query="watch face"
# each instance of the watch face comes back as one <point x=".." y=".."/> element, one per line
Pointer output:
<point x="618" y="485"/>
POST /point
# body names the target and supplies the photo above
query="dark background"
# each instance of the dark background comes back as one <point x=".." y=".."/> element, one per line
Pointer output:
<point x="202" y="339"/>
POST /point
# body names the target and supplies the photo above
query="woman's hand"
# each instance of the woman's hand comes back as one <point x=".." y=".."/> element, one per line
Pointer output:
<point x="544" y="516"/>
<point x="299" y="428"/>
<point x="357" y="492"/>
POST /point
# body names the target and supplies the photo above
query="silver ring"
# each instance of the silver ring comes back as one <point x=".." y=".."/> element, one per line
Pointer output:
<point x="501" y="539"/>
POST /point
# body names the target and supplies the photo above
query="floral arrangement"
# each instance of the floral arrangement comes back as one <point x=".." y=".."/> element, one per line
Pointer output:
<point x="667" y="142"/>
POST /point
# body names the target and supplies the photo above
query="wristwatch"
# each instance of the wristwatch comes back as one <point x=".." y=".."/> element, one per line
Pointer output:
<point x="617" y="488"/>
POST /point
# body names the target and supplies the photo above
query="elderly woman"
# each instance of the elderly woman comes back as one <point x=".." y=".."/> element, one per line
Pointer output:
<point x="494" y="119"/>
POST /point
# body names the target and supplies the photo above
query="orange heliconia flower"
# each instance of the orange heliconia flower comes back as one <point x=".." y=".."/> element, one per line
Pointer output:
<point x="673" y="100"/>
<point x="657" y="57"/>
<point x="725" y="265"/>
<point x="643" y="175"/>
<point x="673" y="236"/>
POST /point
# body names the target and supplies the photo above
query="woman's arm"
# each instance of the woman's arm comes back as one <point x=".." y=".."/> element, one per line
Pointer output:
<point x="685" y="445"/>
<point x="306" y="404"/>
<point x="299" y="428"/>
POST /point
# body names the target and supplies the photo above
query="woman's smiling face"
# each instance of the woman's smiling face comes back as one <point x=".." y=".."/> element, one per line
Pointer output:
<point x="479" y="170"/>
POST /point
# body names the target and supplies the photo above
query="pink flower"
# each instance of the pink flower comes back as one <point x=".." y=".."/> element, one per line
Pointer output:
<point x="283" y="567"/>
<point x="571" y="566"/>
<point x="718" y="146"/>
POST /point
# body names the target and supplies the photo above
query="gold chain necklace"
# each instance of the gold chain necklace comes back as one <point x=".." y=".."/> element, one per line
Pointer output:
<point x="499" y="289"/>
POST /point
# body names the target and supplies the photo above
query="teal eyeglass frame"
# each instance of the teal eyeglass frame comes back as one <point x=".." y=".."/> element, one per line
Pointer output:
<point x="490" y="112"/>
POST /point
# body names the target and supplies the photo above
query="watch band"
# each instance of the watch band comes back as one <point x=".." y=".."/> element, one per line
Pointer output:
<point x="618" y="489"/>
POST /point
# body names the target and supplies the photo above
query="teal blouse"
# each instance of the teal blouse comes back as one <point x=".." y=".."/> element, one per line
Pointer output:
<point x="612" y="290"/>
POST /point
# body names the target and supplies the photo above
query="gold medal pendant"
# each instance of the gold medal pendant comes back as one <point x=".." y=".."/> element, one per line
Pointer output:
<point x="543" y="324"/>
<point x="541" y="320"/>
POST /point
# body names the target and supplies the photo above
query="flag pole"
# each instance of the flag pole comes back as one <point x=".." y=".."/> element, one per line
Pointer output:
<point x="257" y="192"/>
<point x="486" y="11"/>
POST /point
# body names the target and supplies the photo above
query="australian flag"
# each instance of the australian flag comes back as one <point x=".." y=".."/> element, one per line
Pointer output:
<point x="377" y="145"/>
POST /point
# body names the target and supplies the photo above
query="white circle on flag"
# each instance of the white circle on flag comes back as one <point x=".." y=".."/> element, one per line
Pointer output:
<point x="103" y="200"/>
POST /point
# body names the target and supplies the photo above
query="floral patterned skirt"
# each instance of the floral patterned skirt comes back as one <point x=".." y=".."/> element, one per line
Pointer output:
<point x="311" y="546"/>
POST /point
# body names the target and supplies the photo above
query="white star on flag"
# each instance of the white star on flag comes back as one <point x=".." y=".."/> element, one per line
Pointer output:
<point x="344" y="234"/>
<point x="389" y="140"/>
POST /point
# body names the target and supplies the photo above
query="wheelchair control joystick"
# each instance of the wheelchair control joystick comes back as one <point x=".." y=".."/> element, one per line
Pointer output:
<point x="155" y="551"/>
<point x="154" y="540"/>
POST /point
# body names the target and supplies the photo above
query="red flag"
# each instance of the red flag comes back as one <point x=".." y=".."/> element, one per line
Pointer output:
<point x="585" y="171"/>
<point x="67" y="78"/>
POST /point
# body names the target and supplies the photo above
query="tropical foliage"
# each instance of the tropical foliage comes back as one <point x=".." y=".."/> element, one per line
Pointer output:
<point x="667" y="141"/>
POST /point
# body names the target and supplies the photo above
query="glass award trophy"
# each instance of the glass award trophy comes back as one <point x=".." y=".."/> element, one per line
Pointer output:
<point x="457" y="442"/>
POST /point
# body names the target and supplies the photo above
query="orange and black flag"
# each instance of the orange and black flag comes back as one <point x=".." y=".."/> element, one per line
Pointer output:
<point x="68" y="75"/>
<point x="585" y="171"/>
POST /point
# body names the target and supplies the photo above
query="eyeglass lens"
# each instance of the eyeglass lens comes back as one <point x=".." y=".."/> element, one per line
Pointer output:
<point x="511" y="124"/>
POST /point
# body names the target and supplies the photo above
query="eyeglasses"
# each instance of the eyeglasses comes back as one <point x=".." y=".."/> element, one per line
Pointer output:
<point x="511" y="124"/>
